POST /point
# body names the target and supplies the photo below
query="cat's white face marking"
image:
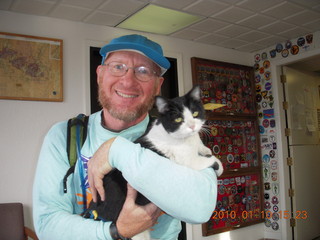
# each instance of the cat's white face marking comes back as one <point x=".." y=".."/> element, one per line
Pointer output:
<point x="190" y="125"/>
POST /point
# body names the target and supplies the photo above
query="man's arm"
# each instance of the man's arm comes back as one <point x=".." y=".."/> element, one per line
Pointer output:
<point x="181" y="192"/>
<point x="53" y="210"/>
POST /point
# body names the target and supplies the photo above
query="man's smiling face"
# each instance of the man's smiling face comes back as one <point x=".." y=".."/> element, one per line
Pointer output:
<point x="126" y="98"/>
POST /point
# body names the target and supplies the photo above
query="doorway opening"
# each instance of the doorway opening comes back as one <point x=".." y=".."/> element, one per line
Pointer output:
<point x="300" y="88"/>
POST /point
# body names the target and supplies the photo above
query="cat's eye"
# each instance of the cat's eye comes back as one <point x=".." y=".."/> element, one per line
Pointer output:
<point x="195" y="114"/>
<point x="177" y="120"/>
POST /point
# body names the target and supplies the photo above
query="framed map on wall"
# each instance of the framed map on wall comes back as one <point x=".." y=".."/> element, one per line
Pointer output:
<point x="30" y="67"/>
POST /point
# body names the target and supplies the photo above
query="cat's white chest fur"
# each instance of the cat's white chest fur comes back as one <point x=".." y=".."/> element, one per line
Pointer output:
<point x="189" y="151"/>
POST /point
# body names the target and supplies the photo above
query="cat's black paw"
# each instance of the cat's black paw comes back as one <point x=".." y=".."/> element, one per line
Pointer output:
<point x="217" y="167"/>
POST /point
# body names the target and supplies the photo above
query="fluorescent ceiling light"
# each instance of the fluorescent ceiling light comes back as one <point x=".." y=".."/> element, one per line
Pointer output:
<point x="160" y="20"/>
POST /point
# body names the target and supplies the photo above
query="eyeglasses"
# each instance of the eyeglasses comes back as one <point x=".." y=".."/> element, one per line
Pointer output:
<point x="142" y="73"/>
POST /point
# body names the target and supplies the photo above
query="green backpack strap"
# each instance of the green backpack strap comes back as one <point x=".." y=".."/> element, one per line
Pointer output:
<point x="76" y="126"/>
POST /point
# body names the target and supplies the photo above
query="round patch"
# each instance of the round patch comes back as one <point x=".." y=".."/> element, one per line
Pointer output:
<point x="264" y="55"/>
<point x="266" y="64"/>
<point x="275" y="200"/>
<point x="266" y="158"/>
<point x="275" y="226"/>
<point x="267" y="222"/>
<point x="214" y="131"/>
<point x="272" y="153"/>
<point x="221" y="189"/>
<point x="267" y="75"/>
<point x="256" y="66"/>
<point x="273" y="53"/>
<point x="216" y="149"/>
<point x="257" y="58"/>
<point x="230" y="158"/>
<point x="265" y="123"/>
<point x="288" y="44"/>
<point x="279" y="47"/>
<point x="266" y="196"/>
<point x="301" y="41"/>
<point x="258" y="78"/>
<point x="285" y="53"/>
<point x="267" y="205"/>
<point x="294" y="50"/>
<point x="267" y="86"/>
<point x="274" y="176"/>
<point x="275" y="216"/>
<point x="258" y="98"/>
<point x="272" y="123"/>
<point x="274" y="164"/>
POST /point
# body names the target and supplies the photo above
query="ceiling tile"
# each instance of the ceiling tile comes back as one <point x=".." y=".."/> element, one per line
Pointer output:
<point x="176" y="4"/>
<point x="276" y="27"/>
<point x="232" y="43"/>
<point x="70" y="12"/>
<point x="233" y="14"/>
<point x="259" y="5"/>
<point x="124" y="7"/>
<point x="251" y="47"/>
<point x="316" y="8"/>
<point x="233" y="30"/>
<point x="283" y="10"/>
<point x="5" y="4"/>
<point x="295" y="32"/>
<point x="107" y="19"/>
<point x="245" y="25"/>
<point x="188" y="34"/>
<point x="308" y="3"/>
<point x="231" y="1"/>
<point x="313" y="26"/>
<point x="92" y="4"/>
<point x="206" y="7"/>
<point x="253" y="36"/>
<point x="303" y="17"/>
<point x="256" y="21"/>
<point x="211" y="39"/>
<point x="32" y="6"/>
<point x="209" y="25"/>
<point x="271" y="40"/>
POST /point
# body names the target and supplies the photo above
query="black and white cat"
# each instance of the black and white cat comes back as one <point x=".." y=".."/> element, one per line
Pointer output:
<point x="175" y="135"/>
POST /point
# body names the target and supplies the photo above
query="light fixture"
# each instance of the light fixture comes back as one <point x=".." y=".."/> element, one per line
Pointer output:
<point x="160" y="20"/>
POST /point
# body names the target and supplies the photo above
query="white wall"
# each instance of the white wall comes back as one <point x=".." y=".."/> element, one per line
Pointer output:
<point x="24" y="123"/>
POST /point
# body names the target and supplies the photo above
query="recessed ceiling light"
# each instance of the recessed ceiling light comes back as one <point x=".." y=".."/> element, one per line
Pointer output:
<point x="160" y="20"/>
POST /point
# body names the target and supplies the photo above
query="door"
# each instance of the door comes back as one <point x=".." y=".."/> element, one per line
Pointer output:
<point x="302" y="94"/>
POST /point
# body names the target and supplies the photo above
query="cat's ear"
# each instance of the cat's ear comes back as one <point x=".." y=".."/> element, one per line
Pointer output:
<point x="161" y="104"/>
<point x="195" y="93"/>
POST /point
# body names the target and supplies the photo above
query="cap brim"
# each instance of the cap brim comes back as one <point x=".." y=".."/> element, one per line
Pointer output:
<point x="160" y="60"/>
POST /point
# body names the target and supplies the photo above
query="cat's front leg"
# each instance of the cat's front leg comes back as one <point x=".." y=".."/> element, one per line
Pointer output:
<point x="204" y="151"/>
<point x="205" y="162"/>
<point x="217" y="166"/>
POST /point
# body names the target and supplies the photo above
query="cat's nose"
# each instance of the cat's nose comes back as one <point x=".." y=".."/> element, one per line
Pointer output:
<point x="192" y="126"/>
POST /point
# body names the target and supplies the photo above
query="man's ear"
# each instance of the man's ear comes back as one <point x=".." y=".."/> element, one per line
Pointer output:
<point x="160" y="81"/>
<point x="99" y="72"/>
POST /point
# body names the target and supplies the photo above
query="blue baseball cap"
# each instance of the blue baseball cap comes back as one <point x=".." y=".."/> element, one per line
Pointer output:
<point x="139" y="44"/>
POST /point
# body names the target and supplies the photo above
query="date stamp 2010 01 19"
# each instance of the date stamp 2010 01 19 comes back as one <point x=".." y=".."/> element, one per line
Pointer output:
<point x="259" y="214"/>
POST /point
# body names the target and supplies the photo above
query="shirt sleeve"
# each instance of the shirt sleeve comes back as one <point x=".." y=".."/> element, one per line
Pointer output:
<point x="53" y="211"/>
<point x="181" y="192"/>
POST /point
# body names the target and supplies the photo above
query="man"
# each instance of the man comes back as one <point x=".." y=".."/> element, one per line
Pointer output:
<point x="129" y="78"/>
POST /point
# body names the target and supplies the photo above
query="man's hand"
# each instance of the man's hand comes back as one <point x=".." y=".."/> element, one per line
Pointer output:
<point x="133" y="218"/>
<point x="98" y="166"/>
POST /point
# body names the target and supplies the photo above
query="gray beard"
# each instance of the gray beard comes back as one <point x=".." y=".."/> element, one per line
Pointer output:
<point x="125" y="114"/>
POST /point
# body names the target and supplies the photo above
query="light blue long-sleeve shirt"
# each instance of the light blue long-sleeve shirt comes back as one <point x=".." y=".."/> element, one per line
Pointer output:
<point x="184" y="194"/>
